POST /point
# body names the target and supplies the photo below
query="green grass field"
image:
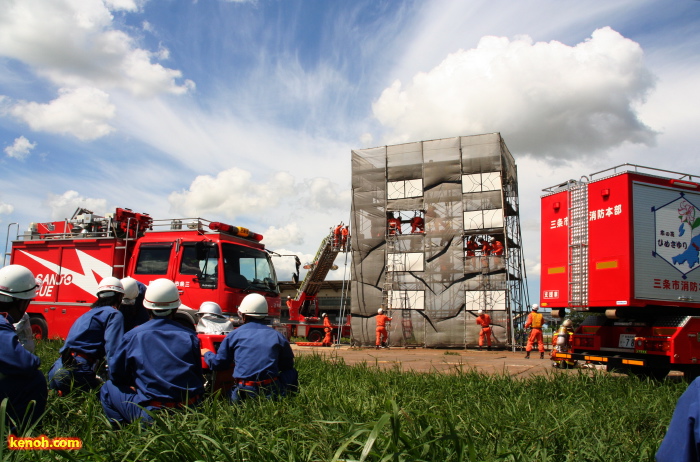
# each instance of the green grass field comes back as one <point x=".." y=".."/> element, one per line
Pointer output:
<point x="361" y="413"/>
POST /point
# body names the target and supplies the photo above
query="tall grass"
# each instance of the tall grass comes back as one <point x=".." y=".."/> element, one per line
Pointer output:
<point x="361" y="413"/>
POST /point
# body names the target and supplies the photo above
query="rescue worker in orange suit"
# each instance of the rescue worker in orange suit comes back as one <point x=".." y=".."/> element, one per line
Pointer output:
<point x="393" y="223"/>
<point x="328" y="329"/>
<point x="534" y="322"/>
<point x="486" y="247"/>
<point x="484" y="320"/>
<point x="382" y="334"/>
<point x="497" y="247"/>
<point x="344" y="234"/>
<point x="562" y="343"/>
<point x="336" y="235"/>
<point x="417" y="224"/>
<point x="472" y="246"/>
<point x="21" y="381"/>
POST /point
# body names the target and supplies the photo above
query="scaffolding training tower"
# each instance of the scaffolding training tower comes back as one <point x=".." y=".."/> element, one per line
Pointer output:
<point x="436" y="237"/>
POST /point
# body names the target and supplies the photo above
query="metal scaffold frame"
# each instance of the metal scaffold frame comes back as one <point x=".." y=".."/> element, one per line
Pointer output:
<point x="441" y="193"/>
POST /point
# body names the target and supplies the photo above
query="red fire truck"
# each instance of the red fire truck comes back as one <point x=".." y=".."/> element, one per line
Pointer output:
<point x="624" y="245"/>
<point x="208" y="261"/>
<point x="304" y="313"/>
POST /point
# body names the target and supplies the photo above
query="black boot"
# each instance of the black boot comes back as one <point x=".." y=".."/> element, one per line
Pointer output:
<point x="542" y="355"/>
<point x="527" y="355"/>
<point x="488" y="348"/>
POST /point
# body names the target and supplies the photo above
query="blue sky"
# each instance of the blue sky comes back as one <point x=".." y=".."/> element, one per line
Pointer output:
<point x="246" y="111"/>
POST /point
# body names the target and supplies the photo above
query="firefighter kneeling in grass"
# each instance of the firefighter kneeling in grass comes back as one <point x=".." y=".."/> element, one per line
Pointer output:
<point x="534" y="322"/>
<point x="157" y="365"/>
<point x="92" y="337"/>
<point x="21" y="381"/>
<point x="262" y="357"/>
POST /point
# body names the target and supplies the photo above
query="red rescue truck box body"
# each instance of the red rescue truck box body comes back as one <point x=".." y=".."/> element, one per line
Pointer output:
<point x="643" y="243"/>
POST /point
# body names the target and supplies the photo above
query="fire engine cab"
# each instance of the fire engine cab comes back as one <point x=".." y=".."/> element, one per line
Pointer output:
<point x="208" y="261"/>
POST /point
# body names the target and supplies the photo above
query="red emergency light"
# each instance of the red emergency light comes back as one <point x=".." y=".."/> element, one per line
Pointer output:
<point x="684" y="184"/>
<point x="235" y="231"/>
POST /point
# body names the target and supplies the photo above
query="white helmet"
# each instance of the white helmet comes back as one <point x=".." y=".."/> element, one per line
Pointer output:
<point x="491" y="239"/>
<point x="567" y="323"/>
<point x="131" y="290"/>
<point x="480" y="312"/>
<point x="109" y="287"/>
<point x="253" y="305"/>
<point x="380" y="311"/>
<point x="324" y="315"/>
<point x="161" y="296"/>
<point x="210" y="308"/>
<point x="16" y="281"/>
<point x="535" y="307"/>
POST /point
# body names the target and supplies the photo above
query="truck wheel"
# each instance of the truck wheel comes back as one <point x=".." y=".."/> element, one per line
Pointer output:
<point x="315" y="336"/>
<point x="40" y="329"/>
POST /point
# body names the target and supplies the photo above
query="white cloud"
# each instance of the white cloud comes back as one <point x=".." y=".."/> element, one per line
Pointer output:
<point x="65" y="205"/>
<point x="6" y="208"/>
<point x="74" y="43"/>
<point x="20" y="149"/>
<point x="126" y="5"/>
<point x="322" y="195"/>
<point x="547" y="99"/>
<point x="232" y="193"/>
<point x="82" y="112"/>
<point x="288" y="235"/>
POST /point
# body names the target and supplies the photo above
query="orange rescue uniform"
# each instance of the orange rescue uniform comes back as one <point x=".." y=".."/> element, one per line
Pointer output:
<point x="471" y="248"/>
<point x="535" y="321"/>
<point x="336" y="236"/>
<point x="382" y="334"/>
<point x="497" y="248"/>
<point x="417" y="225"/>
<point x="484" y="321"/>
<point x="344" y="236"/>
<point x="394" y="226"/>
<point x="328" y="328"/>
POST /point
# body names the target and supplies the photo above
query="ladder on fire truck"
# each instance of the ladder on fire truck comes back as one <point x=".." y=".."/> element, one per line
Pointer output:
<point x="578" y="244"/>
<point x="322" y="264"/>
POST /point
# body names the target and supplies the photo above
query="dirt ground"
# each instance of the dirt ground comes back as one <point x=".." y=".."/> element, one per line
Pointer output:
<point x="435" y="360"/>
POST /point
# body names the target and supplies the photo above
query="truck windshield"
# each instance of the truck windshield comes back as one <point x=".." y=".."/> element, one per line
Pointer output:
<point x="200" y="259"/>
<point x="246" y="268"/>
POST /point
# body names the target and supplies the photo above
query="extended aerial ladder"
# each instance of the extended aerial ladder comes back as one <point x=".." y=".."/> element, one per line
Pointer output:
<point x="303" y="308"/>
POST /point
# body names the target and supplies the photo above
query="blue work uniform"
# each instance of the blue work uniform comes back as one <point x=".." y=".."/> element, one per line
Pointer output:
<point x="21" y="381"/>
<point x="93" y="336"/>
<point x="136" y="314"/>
<point x="157" y="365"/>
<point x="263" y="361"/>
<point x="682" y="440"/>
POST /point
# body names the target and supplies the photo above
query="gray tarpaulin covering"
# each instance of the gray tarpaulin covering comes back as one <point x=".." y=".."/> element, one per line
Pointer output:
<point x="462" y="188"/>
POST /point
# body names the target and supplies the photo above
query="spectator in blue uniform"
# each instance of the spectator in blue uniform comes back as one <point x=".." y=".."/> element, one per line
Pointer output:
<point x="132" y="307"/>
<point x="21" y="381"/>
<point x="682" y="440"/>
<point x="93" y="336"/>
<point x="157" y="365"/>
<point x="262" y="357"/>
